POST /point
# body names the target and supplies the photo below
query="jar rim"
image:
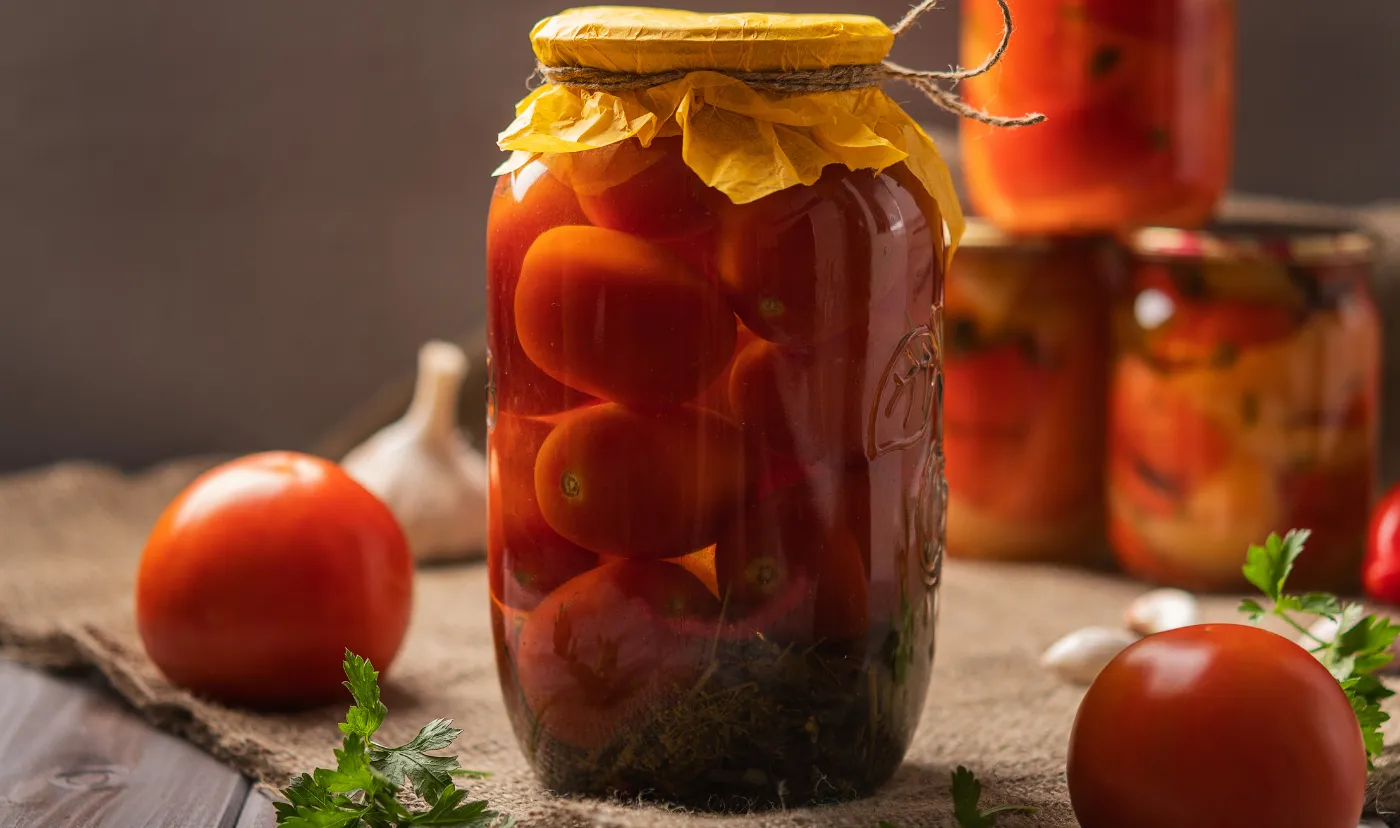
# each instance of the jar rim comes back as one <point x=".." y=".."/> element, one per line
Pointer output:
<point x="981" y="234"/>
<point x="1302" y="243"/>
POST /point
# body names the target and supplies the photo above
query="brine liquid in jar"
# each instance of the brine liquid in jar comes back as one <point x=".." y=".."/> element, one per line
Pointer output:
<point x="1139" y="104"/>
<point x="716" y="485"/>
<point x="1026" y="351"/>
<point x="1243" y="402"/>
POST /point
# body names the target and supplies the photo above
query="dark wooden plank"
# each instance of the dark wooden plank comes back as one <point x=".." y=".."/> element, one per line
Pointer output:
<point x="257" y="811"/>
<point x="71" y="756"/>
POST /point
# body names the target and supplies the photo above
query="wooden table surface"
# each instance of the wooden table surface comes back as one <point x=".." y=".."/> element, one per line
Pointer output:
<point x="71" y="755"/>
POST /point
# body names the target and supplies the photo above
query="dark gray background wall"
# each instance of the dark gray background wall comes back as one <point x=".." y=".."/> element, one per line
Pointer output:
<point x="224" y="224"/>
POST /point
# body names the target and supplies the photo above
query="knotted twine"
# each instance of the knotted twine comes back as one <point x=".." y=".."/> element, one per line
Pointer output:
<point x="834" y="79"/>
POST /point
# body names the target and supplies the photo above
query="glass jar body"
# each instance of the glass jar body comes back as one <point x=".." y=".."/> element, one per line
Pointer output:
<point x="1027" y="341"/>
<point x="1139" y="99"/>
<point x="716" y="511"/>
<point x="1243" y="402"/>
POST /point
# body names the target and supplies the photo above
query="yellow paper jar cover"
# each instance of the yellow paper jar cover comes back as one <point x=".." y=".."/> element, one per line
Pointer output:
<point x="746" y="142"/>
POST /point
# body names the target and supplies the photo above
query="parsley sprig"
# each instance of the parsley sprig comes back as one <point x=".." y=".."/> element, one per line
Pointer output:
<point x="1360" y="647"/>
<point x="967" y="792"/>
<point x="367" y="786"/>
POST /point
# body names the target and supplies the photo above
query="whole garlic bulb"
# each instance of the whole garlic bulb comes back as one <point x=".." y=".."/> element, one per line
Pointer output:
<point x="423" y="468"/>
<point x="1080" y="656"/>
<point x="1161" y="610"/>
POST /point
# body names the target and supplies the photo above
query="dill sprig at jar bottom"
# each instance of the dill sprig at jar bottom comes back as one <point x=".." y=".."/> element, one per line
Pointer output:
<point x="717" y="493"/>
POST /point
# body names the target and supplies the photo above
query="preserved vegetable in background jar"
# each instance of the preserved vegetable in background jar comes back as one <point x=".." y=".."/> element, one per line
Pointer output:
<point x="1139" y="99"/>
<point x="1026" y="350"/>
<point x="1243" y="401"/>
<point x="717" y="491"/>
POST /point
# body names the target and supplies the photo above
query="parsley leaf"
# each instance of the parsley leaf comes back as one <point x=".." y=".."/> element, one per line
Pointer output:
<point x="364" y="789"/>
<point x="1267" y="566"/>
<point x="967" y="791"/>
<point x="363" y="683"/>
<point x="1359" y="648"/>
<point x="430" y="775"/>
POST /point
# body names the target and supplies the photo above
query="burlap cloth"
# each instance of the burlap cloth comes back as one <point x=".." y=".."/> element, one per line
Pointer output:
<point x="70" y="537"/>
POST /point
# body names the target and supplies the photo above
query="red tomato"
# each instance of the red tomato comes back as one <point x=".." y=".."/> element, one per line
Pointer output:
<point x="1205" y="333"/>
<point x="260" y="575"/>
<point x="1062" y="57"/>
<point x="648" y="192"/>
<point x="526" y="558"/>
<point x="608" y="647"/>
<point x="862" y="394"/>
<point x="804" y="264"/>
<point x="1142" y="487"/>
<point x="887" y="503"/>
<point x="621" y="318"/>
<point x="799" y="403"/>
<point x="1152" y="422"/>
<point x="1142" y="561"/>
<point x="641" y="485"/>
<point x="990" y="405"/>
<point x="527" y="203"/>
<point x="1381" y="569"/>
<point x="716" y="397"/>
<point x="1216" y="726"/>
<point x="797" y="539"/>
<point x="1099" y="146"/>
<point x="1155" y="20"/>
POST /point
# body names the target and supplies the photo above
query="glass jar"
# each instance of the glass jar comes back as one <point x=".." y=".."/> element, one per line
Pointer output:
<point x="716" y="485"/>
<point x="1139" y="104"/>
<point x="1026" y="352"/>
<point x="1243" y="402"/>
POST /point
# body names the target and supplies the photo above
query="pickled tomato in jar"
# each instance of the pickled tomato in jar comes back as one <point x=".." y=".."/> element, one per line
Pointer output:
<point x="715" y="471"/>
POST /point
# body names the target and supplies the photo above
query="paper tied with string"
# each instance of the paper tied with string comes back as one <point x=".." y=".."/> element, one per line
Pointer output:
<point x="763" y="101"/>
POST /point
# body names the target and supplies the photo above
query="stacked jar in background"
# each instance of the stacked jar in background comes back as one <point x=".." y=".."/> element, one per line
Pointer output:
<point x="1121" y="365"/>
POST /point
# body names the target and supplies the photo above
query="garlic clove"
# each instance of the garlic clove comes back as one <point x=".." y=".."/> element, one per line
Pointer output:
<point x="1323" y="629"/>
<point x="1161" y="610"/>
<point x="423" y="468"/>
<point x="1080" y="656"/>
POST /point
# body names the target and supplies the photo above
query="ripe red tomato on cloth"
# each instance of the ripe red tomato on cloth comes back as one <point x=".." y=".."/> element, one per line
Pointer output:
<point x="260" y="575"/>
<point x="1381" y="569"/>
<point x="1216" y="726"/>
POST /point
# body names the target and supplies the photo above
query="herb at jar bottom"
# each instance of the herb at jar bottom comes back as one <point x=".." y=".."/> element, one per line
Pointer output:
<point x="779" y="725"/>
<point x="967" y="791"/>
<point x="370" y="783"/>
<point x="1358" y="650"/>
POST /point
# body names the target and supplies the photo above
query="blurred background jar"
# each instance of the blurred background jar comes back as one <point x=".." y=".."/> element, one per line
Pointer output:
<point x="1026" y="351"/>
<point x="1243" y="401"/>
<point x="1139" y="99"/>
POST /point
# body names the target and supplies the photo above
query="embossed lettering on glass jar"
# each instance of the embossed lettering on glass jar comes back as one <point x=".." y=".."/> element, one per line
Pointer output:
<point x="1139" y="99"/>
<point x="1026" y="350"/>
<point x="1244" y="401"/>
<point x="716" y="481"/>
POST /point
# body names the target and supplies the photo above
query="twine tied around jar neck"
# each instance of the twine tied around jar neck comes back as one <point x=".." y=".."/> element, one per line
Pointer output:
<point x="834" y="79"/>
